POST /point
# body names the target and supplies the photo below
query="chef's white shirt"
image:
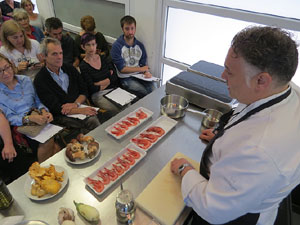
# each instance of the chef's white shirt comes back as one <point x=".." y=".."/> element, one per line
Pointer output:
<point x="255" y="164"/>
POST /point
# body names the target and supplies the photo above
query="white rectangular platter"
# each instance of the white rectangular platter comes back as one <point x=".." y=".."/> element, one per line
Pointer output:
<point x="111" y="128"/>
<point x="162" y="122"/>
<point x="93" y="178"/>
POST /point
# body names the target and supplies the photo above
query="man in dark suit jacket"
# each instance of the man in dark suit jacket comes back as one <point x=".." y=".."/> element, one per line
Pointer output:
<point x="62" y="90"/>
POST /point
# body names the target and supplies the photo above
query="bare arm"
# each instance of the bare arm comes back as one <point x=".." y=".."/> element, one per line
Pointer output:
<point x="127" y="69"/>
<point x="8" y="152"/>
<point x="103" y="83"/>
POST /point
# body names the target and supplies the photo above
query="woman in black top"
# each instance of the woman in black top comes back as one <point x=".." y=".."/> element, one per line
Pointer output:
<point x="88" y="25"/>
<point x="99" y="74"/>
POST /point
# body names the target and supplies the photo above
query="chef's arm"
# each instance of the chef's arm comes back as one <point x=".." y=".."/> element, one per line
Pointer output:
<point x="228" y="194"/>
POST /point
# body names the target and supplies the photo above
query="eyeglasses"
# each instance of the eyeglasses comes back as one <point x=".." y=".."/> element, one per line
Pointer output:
<point x="20" y="19"/>
<point x="5" y="69"/>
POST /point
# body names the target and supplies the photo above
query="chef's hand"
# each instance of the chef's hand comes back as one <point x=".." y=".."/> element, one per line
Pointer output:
<point x="176" y="163"/>
<point x="207" y="134"/>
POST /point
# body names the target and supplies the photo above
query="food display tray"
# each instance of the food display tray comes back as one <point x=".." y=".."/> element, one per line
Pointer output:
<point x="164" y="122"/>
<point x="132" y="114"/>
<point x="108" y="165"/>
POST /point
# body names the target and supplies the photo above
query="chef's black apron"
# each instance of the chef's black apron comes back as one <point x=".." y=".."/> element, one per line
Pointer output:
<point x="249" y="218"/>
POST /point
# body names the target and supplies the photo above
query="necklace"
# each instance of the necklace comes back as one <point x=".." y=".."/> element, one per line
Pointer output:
<point x="14" y="99"/>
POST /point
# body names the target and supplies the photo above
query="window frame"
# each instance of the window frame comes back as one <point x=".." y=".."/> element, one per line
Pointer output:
<point x="243" y="15"/>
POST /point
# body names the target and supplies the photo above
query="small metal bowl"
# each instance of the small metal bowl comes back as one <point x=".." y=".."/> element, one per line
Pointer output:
<point x="212" y="119"/>
<point x="173" y="106"/>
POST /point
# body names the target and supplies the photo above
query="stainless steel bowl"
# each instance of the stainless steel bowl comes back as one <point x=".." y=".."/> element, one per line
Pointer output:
<point x="173" y="106"/>
<point x="212" y="119"/>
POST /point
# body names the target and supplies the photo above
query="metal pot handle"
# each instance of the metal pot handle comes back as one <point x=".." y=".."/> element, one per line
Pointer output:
<point x="197" y="112"/>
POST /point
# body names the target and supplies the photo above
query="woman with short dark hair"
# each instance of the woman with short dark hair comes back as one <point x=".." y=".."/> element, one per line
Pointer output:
<point x="88" y="25"/>
<point x="99" y="74"/>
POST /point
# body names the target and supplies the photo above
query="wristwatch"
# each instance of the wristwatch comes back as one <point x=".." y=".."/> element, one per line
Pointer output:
<point x="78" y="104"/>
<point x="26" y="120"/>
<point x="182" y="167"/>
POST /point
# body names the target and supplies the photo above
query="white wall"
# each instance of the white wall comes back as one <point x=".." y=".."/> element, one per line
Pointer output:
<point x="145" y="13"/>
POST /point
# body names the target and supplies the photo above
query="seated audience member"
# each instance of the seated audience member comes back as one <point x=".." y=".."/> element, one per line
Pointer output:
<point x="17" y="99"/>
<point x="21" y="16"/>
<point x="14" y="160"/>
<point x="54" y="29"/>
<point x="35" y="19"/>
<point x="88" y="25"/>
<point x="62" y="89"/>
<point x="2" y="20"/>
<point x="129" y="56"/>
<point x="19" y="49"/>
<point x="99" y="74"/>
<point x="8" y="6"/>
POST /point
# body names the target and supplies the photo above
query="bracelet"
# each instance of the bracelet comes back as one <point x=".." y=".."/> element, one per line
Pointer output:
<point x="26" y="120"/>
<point x="182" y="167"/>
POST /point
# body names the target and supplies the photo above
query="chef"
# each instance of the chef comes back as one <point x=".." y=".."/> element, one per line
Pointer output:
<point x="252" y="160"/>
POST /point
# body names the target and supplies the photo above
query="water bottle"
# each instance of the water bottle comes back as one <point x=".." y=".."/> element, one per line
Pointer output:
<point x="125" y="207"/>
<point x="5" y="197"/>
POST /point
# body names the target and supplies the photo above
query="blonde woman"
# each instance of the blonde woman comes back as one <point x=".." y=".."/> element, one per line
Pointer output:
<point x="21" y="16"/>
<point x="17" y="99"/>
<point x="35" y="19"/>
<point x="88" y="25"/>
<point x="19" y="49"/>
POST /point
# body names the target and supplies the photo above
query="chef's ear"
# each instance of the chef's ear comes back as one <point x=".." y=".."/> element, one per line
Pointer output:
<point x="263" y="80"/>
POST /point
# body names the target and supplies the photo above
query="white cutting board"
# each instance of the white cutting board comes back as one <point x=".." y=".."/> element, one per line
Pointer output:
<point x="162" y="198"/>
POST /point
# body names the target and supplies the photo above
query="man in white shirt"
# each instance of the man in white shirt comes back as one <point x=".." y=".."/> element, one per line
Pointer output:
<point x="252" y="161"/>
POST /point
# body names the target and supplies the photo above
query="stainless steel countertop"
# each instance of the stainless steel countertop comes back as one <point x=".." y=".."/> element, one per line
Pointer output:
<point x="182" y="138"/>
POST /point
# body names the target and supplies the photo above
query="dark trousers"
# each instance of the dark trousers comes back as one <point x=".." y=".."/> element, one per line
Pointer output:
<point x="248" y="219"/>
<point x="21" y="163"/>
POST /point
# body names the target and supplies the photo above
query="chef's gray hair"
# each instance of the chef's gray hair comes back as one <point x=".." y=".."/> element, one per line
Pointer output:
<point x="250" y="72"/>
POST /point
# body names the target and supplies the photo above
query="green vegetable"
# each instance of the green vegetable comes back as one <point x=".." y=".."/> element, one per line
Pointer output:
<point x="88" y="212"/>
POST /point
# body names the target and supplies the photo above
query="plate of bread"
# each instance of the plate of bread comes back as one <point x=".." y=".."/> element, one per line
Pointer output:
<point x="82" y="150"/>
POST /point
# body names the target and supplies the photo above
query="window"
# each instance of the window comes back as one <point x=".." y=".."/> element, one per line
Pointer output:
<point x="194" y="31"/>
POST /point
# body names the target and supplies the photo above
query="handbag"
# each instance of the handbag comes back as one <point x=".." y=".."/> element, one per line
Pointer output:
<point x="31" y="130"/>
